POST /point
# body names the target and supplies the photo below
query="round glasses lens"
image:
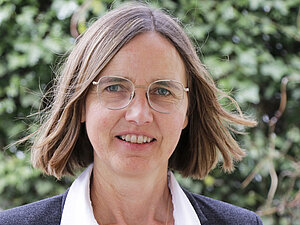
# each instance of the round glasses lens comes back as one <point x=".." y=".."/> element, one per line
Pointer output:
<point x="165" y="96"/>
<point x="114" y="92"/>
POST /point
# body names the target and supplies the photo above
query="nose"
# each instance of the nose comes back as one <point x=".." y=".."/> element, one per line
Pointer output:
<point x="139" y="111"/>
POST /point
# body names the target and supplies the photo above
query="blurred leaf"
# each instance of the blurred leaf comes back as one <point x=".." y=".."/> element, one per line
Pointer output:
<point x="209" y="180"/>
<point x="5" y="12"/>
<point x="26" y="18"/>
<point x="294" y="134"/>
<point x="64" y="9"/>
<point x="248" y="62"/>
<point x="248" y="92"/>
<point x="276" y="69"/>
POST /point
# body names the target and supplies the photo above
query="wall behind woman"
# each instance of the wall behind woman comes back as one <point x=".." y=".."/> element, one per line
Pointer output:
<point x="248" y="46"/>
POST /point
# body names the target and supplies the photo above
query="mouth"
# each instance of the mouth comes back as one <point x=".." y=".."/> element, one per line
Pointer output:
<point x="136" y="139"/>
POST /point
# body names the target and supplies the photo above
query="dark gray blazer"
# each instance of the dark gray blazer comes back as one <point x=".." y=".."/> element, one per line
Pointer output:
<point x="209" y="211"/>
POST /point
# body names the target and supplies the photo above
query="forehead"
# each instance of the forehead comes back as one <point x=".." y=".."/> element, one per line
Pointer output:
<point x="147" y="57"/>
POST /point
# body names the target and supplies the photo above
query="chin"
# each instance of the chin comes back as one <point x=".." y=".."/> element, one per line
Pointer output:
<point x="134" y="167"/>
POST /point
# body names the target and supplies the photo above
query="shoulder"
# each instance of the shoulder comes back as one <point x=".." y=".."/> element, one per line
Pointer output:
<point x="211" y="211"/>
<point x="47" y="211"/>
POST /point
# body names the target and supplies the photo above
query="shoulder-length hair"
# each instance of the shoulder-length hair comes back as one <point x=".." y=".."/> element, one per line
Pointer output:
<point x="61" y="144"/>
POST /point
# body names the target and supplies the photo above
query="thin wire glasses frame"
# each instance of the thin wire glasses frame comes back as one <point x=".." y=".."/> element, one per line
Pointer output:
<point x="116" y="92"/>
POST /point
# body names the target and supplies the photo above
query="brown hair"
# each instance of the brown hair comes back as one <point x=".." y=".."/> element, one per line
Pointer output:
<point x="61" y="144"/>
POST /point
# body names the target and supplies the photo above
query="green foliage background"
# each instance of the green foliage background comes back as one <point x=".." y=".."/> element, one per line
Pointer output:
<point x="247" y="45"/>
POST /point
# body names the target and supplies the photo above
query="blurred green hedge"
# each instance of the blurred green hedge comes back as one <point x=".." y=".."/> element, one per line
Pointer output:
<point x="249" y="46"/>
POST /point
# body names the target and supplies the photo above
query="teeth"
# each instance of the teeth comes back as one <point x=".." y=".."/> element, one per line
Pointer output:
<point x="136" y="139"/>
<point x="133" y="139"/>
<point x="127" y="137"/>
<point x="140" y="139"/>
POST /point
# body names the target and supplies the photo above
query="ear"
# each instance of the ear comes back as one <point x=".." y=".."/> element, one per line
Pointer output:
<point x="186" y="121"/>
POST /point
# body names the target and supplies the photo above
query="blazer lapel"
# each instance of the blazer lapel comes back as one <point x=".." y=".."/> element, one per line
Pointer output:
<point x="200" y="214"/>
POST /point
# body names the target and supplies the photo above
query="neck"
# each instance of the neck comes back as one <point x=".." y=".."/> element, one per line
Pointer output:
<point x="130" y="200"/>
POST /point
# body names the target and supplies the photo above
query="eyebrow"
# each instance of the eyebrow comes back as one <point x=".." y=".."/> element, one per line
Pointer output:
<point x="163" y="81"/>
<point x="115" y="79"/>
<point x="168" y="84"/>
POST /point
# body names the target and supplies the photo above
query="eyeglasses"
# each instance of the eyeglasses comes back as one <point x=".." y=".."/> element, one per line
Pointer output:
<point x="164" y="96"/>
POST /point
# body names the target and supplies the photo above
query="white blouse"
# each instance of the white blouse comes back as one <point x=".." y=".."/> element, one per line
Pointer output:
<point x="78" y="207"/>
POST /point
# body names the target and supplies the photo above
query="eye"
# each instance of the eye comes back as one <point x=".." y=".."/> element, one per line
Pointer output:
<point x="162" y="92"/>
<point x="113" y="88"/>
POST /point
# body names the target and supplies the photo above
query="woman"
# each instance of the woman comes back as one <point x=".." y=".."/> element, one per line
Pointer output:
<point x="133" y="100"/>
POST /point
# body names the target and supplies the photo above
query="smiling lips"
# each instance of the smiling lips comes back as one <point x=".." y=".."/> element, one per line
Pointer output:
<point x="136" y="139"/>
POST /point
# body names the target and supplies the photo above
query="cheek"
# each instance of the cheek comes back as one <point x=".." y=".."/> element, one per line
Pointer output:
<point x="96" y="123"/>
<point x="182" y="118"/>
<point x="95" y="115"/>
<point x="92" y="128"/>
<point x="91" y="117"/>
<point x="172" y="129"/>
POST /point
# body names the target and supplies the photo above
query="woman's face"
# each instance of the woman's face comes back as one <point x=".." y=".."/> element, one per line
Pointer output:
<point x="146" y="58"/>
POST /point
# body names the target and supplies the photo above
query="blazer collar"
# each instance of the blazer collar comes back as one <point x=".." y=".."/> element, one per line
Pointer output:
<point x="196" y="206"/>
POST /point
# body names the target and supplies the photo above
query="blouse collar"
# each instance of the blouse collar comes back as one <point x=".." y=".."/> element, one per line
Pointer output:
<point x="78" y="207"/>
